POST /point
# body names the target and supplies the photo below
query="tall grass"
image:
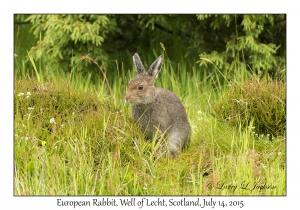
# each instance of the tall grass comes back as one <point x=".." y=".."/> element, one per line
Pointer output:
<point x="73" y="136"/>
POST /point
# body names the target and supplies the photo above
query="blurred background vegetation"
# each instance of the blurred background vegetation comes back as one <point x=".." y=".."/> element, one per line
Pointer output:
<point x="56" y="42"/>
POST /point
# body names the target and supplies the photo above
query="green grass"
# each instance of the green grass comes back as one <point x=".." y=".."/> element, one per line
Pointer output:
<point x="73" y="137"/>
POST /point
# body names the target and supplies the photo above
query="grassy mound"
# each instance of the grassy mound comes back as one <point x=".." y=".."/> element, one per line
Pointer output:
<point x="263" y="102"/>
<point x="69" y="132"/>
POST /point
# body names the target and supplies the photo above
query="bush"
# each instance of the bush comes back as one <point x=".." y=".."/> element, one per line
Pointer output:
<point x="229" y="41"/>
<point x="238" y="41"/>
<point x="64" y="39"/>
<point x="263" y="102"/>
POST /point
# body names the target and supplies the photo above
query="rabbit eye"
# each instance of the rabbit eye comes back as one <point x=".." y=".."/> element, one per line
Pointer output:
<point x="141" y="87"/>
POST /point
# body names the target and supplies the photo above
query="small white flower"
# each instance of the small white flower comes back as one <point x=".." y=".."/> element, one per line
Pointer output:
<point x="52" y="121"/>
<point x="62" y="125"/>
<point x="20" y="94"/>
<point x="193" y="126"/>
<point x="23" y="125"/>
<point x="264" y="166"/>
<point x="30" y="108"/>
<point x="199" y="112"/>
<point x="145" y="186"/>
<point x="28" y="93"/>
<point x="27" y="97"/>
<point x="279" y="153"/>
<point x="26" y="138"/>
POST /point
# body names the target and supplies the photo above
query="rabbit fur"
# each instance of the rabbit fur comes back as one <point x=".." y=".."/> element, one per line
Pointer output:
<point x="157" y="109"/>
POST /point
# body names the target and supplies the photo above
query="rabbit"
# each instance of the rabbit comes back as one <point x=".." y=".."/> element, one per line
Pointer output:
<point x="157" y="109"/>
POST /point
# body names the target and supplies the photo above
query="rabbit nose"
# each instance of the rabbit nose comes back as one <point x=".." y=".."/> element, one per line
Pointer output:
<point x="126" y="98"/>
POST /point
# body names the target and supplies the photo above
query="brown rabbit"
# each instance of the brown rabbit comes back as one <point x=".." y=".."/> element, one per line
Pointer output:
<point x="156" y="109"/>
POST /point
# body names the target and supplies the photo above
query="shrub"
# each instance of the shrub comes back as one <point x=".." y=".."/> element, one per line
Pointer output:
<point x="229" y="41"/>
<point x="238" y="41"/>
<point x="263" y="102"/>
<point x="64" y="39"/>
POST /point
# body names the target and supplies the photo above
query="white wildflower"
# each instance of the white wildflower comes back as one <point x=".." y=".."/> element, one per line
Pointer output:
<point x="52" y="121"/>
<point x="264" y="166"/>
<point x="28" y="95"/>
<point x="20" y="94"/>
<point x="199" y="112"/>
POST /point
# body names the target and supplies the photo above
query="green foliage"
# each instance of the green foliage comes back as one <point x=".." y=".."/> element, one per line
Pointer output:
<point x="56" y="126"/>
<point x="255" y="42"/>
<point x="233" y="43"/>
<point x="64" y="39"/>
<point x="23" y="41"/>
<point x="263" y="102"/>
<point x="72" y="142"/>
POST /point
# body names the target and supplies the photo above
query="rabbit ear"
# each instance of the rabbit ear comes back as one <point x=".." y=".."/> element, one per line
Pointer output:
<point x="138" y="63"/>
<point x="155" y="67"/>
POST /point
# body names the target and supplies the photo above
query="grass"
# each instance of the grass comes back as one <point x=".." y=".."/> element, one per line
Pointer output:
<point x="264" y="102"/>
<point x="73" y="137"/>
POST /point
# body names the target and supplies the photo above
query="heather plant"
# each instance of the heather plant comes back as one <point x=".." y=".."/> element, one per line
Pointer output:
<point x="263" y="102"/>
